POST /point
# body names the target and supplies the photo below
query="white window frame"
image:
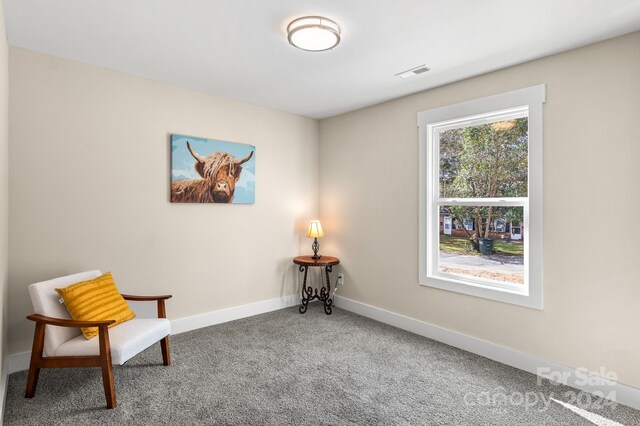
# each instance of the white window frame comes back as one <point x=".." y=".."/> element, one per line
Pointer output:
<point x="523" y="101"/>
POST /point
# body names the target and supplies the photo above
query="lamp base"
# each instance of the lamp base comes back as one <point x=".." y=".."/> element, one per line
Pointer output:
<point x="315" y="246"/>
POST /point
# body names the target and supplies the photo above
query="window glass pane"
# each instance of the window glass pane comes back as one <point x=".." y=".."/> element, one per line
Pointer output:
<point x="485" y="160"/>
<point x="491" y="254"/>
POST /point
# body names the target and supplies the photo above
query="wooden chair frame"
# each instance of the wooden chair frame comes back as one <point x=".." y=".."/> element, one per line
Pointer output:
<point x="103" y="360"/>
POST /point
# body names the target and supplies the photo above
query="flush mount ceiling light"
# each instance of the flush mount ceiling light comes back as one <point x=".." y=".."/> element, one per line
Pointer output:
<point x="313" y="33"/>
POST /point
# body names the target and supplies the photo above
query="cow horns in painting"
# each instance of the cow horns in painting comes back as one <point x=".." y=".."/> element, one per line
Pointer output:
<point x="203" y="160"/>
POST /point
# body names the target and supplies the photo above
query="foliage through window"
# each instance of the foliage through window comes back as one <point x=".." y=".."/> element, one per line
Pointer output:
<point x="478" y="172"/>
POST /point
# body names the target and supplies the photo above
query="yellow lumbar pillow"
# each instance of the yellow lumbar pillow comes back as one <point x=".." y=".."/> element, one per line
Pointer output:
<point x="95" y="300"/>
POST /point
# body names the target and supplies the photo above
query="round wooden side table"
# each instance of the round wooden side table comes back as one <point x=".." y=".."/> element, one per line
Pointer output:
<point x="308" y="293"/>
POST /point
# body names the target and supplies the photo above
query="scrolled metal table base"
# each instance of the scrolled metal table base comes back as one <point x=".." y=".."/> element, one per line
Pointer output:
<point x="309" y="294"/>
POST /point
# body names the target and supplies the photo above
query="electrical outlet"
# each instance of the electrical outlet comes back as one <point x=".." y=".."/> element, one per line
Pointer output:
<point x="341" y="279"/>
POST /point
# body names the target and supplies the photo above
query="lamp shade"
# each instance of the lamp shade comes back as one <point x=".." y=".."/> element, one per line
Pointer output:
<point x="315" y="229"/>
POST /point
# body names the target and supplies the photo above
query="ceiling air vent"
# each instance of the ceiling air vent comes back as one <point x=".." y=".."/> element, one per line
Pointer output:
<point x="413" y="71"/>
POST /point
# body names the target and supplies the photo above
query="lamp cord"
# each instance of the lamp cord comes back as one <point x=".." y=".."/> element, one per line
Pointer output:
<point x="335" y="288"/>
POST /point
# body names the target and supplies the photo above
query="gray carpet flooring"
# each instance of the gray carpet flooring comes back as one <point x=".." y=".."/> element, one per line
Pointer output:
<point x="285" y="368"/>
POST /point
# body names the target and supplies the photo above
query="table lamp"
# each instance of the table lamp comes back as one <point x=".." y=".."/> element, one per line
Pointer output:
<point x="315" y="232"/>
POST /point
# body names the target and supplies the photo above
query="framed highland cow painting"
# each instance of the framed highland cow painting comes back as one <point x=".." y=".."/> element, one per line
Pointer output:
<point x="212" y="171"/>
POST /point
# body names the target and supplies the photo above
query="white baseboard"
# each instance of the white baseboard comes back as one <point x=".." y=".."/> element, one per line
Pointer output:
<point x="17" y="362"/>
<point x="20" y="361"/>
<point x="3" y="391"/>
<point x="624" y="394"/>
<point x="230" y="314"/>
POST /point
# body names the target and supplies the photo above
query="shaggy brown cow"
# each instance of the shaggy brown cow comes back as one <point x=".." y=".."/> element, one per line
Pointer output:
<point x="219" y="172"/>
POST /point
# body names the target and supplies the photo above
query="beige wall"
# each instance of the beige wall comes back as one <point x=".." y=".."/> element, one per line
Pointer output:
<point x="4" y="191"/>
<point x="89" y="189"/>
<point x="90" y="169"/>
<point x="591" y="318"/>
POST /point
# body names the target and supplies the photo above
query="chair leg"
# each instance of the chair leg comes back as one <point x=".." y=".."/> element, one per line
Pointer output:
<point x="32" y="382"/>
<point x="107" y="368"/>
<point x="36" y="356"/>
<point x="109" y="387"/>
<point x="166" y="355"/>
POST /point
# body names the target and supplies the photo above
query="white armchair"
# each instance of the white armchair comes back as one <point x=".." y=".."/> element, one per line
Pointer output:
<point x="64" y="346"/>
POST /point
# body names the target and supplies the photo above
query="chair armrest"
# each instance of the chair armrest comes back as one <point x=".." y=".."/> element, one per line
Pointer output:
<point x="145" y="298"/>
<point x="68" y="323"/>
<point x="162" y="313"/>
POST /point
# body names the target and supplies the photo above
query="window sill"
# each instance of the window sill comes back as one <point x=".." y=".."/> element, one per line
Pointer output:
<point x="506" y="294"/>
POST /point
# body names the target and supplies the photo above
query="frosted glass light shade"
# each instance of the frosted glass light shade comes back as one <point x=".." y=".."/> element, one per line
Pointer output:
<point x="313" y="33"/>
<point x="315" y="229"/>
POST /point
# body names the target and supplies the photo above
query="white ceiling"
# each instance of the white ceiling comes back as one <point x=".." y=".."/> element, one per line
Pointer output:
<point x="238" y="48"/>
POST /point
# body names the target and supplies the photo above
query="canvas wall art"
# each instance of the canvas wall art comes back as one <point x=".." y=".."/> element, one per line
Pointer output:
<point x="212" y="171"/>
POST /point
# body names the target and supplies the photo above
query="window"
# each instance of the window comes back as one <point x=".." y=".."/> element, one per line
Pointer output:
<point x="481" y="166"/>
